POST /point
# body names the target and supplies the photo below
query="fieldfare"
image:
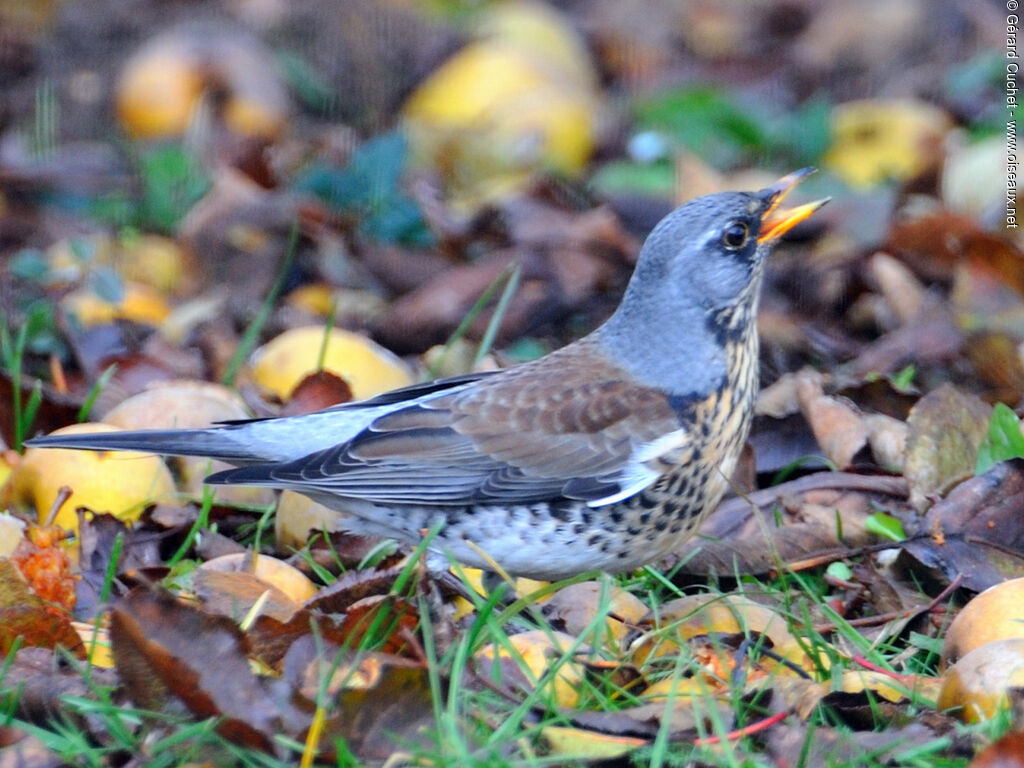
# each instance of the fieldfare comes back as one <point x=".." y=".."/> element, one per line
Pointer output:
<point x="605" y="454"/>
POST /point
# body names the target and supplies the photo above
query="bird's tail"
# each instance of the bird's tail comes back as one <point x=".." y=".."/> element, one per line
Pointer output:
<point x="238" y="442"/>
<point x="230" y="443"/>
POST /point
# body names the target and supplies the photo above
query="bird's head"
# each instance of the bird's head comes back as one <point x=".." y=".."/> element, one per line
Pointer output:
<point x="708" y="254"/>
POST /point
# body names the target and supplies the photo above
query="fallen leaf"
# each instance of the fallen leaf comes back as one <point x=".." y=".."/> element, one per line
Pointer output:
<point x="945" y="430"/>
<point x="878" y="140"/>
<point x="900" y="288"/>
<point x="741" y="534"/>
<point x="393" y="715"/>
<point x="577" y="607"/>
<point x="977" y="531"/>
<point x="43" y="683"/>
<point x="164" y="648"/>
<point x="577" y="744"/>
<point x="233" y="594"/>
<point x="838" y="426"/>
<point x="1005" y="752"/>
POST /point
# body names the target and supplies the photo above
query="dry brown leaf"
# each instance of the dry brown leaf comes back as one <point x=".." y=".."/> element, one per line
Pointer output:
<point x="20" y="749"/>
<point x="741" y="536"/>
<point x="789" y="744"/>
<point x="393" y="715"/>
<point x="977" y="531"/>
<point x="1005" y="752"/>
<point x="233" y="594"/>
<point x="999" y="364"/>
<point x="838" y="425"/>
<point x="932" y="337"/>
<point x="888" y="439"/>
<point x="42" y="683"/>
<point x="945" y="430"/>
<point x="291" y="582"/>
<point x="902" y="291"/>
<point x="164" y="648"/>
<point x="988" y="286"/>
<point x="576" y="607"/>
<point x="781" y="398"/>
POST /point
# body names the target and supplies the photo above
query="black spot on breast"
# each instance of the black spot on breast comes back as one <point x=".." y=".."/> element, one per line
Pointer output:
<point x="646" y="501"/>
<point x="562" y="509"/>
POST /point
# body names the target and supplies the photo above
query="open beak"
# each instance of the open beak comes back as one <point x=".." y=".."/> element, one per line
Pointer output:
<point x="776" y="221"/>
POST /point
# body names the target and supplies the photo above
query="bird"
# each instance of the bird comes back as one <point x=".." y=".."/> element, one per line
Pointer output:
<point x="603" y="455"/>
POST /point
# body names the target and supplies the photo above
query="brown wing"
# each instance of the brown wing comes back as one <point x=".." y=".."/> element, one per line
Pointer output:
<point x="563" y="427"/>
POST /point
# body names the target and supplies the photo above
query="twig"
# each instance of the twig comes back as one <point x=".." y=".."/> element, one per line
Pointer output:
<point x="884" y="618"/>
<point x="748" y="730"/>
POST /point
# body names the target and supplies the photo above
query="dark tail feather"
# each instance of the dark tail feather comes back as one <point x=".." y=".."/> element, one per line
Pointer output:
<point x="212" y="443"/>
<point x="259" y="474"/>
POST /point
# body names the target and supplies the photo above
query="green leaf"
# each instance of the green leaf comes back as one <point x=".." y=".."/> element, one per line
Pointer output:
<point x="726" y="130"/>
<point x="525" y="349"/>
<point x="839" y="570"/>
<point x="627" y="177"/>
<point x="43" y="335"/>
<point x="903" y="380"/>
<point x="107" y="283"/>
<point x="704" y="121"/>
<point x="1004" y="440"/>
<point x="925" y="643"/>
<point x="886" y="526"/>
<point x="308" y="84"/>
<point x="398" y="221"/>
<point x="801" y="136"/>
<point x="29" y="264"/>
<point x="369" y="189"/>
<point x="172" y="180"/>
<point x="380" y="162"/>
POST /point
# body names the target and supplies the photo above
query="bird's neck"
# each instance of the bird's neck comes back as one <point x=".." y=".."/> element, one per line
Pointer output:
<point x="687" y="351"/>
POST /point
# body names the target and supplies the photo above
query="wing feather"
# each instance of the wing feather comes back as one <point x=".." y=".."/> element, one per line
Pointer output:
<point x="538" y="432"/>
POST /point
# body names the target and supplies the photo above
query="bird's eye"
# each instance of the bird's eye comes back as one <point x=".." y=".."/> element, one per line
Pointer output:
<point x="735" y="235"/>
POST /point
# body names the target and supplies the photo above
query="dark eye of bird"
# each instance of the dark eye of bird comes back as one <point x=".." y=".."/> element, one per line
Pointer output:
<point x="735" y="235"/>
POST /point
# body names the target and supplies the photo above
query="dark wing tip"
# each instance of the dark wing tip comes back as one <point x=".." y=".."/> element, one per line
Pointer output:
<point x="254" y="475"/>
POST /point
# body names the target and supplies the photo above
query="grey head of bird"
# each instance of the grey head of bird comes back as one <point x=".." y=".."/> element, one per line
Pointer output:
<point x="697" y="284"/>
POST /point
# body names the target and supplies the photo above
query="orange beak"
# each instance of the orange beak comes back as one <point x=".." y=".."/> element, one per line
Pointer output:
<point x="775" y="221"/>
